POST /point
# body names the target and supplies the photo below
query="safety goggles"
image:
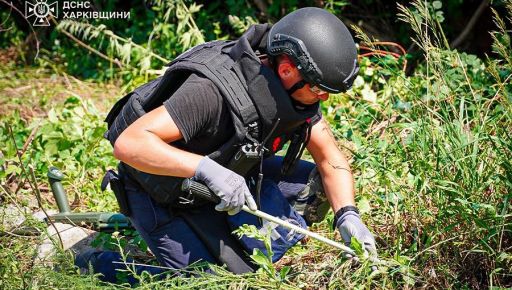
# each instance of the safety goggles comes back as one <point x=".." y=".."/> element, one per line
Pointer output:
<point x="300" y="84"/>
<point x="316" y="90"/>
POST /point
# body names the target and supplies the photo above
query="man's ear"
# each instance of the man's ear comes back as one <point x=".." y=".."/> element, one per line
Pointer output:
<point x="287" y="71"/>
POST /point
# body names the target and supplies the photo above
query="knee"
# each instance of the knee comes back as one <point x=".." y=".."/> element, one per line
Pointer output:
<point x="314" y="187"/>
<point x="317" y="205"/>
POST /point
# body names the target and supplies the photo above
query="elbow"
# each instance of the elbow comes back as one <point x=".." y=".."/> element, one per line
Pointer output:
<point x="120" y="149"/>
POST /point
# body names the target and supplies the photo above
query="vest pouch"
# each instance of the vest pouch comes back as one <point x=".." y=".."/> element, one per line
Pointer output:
<point x="117" y="187"/>
<point x="244" y="160"/>
<point x="274" y="203"/>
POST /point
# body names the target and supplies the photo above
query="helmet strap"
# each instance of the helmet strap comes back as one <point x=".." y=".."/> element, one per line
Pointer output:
<point x="297" y="86"/>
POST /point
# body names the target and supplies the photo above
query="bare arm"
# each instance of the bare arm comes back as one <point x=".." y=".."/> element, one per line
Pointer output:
<point x="143" y="145"/>
<point x="332" y="165"/>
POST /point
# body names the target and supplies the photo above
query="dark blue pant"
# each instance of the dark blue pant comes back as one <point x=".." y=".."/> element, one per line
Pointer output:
<point x="170" y="238"/>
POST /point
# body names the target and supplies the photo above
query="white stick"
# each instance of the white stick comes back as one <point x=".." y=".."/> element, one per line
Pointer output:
<point x="298" y="229"/>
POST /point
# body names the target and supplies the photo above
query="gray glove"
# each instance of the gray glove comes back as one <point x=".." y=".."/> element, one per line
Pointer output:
<point x="226" y="184"/>
<point x="350" y="225"/>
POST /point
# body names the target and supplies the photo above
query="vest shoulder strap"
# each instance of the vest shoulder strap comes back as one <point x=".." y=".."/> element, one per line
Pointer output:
<point x="211" y="60"/>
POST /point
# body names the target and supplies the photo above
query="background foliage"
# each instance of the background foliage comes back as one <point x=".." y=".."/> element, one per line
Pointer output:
<point x="430" y="146"/>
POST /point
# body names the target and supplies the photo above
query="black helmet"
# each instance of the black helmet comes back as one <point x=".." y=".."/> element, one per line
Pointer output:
<point x="320" y="45"/>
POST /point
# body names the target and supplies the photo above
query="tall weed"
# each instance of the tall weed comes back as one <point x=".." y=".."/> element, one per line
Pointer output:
<point x="432" y="156"/>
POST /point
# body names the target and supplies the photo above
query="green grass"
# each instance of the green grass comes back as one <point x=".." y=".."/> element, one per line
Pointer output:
<point x="431" y="154"/>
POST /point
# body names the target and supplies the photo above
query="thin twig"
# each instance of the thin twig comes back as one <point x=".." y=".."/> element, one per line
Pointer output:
<point x="431" y="247"/>
<point x="33" y="184"/>
<point x="382" y="126"/>
<point x="29" y="139"/>
<point x="496" y="95"/>
<point x="82" y="44"/>
<point x="11" y="196"/>
<point x="39" y="201"/>
<point x="23" y="150"/>
<point x="21" y="184"/>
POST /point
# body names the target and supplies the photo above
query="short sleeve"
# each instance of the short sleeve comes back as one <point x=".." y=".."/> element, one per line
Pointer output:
<point x="194" y="106"/>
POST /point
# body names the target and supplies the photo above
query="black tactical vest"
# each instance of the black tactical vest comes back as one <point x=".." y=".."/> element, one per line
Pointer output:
<point x="260" y="107"/>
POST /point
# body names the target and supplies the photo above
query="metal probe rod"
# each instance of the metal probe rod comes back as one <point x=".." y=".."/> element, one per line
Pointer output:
<point x="202" y="191"/>
<point x="308" y="233"/>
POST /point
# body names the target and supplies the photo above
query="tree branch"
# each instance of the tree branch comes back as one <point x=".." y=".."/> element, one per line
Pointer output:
<point x="82" y="44"/>
<point x="462" y="36"/>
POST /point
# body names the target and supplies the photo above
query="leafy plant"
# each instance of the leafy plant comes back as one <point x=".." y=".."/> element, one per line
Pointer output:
<point x="262" y="260"/>
<point x="71" y="138"/>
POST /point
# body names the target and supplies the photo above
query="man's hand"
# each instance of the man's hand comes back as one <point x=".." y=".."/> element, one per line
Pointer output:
<point x="350" y="225"/>
<point x="226" y="184"/>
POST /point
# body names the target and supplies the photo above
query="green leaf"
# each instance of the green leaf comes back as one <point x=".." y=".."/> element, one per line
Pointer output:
<point x="437" y="4"/>
<point x="52" y="116"/>
<point x="12" y="169"/>
<point x="125" y="52"/>
<point x="440" y="16"/>
<point x="72" y="100"/>
<point x="51" y="148"/>
<point x="364" y="205"/>
<point x="284" y="271"/>
<point x="185" y="39"/>
<point x="260" y="258"/>
<point x="368" y="94"/>
<point x="145" y="63"/>
<point x="194" y="8"/>
<point x="357" y="246"/>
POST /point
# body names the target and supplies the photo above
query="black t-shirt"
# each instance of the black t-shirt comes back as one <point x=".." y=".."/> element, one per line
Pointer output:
<point x="202" y="115"/>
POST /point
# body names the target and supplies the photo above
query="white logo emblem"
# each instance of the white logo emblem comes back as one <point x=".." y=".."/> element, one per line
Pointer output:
<point x="41" y="10"/>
